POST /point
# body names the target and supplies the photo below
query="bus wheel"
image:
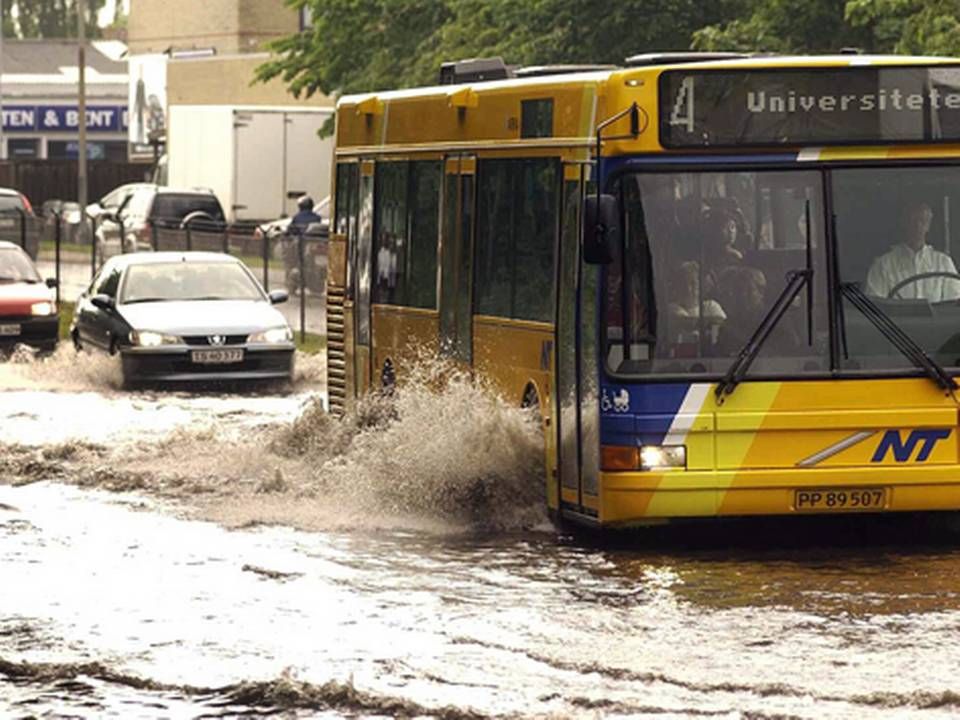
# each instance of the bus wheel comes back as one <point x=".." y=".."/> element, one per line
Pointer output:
<point x="388" y="378"/>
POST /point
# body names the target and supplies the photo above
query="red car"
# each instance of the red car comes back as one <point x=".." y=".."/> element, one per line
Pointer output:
<point x="28" y="310"/>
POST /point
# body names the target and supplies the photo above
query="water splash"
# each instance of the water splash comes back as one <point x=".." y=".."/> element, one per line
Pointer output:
<point x="66" y="370"/>
<point x="444" y="453"/>
<point x="281" y="694"/>
<point x="63" y="370"/>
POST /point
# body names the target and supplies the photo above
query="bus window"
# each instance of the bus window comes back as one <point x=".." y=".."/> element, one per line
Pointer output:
<point x="347" y="209"/>
<point x="406" y="212"/>
<point x="517" y="219"/>
<point x="390" y="232"/>
<point x="703" y="258"/>
<point x="424" y="204"/>
<point x="897" y="239"/>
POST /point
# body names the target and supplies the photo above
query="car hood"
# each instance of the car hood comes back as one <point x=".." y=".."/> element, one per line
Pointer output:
<point x="202" y="317"/>
<point x="16" y="298"/>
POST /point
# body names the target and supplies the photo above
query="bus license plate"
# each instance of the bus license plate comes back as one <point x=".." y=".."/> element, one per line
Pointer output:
<point x="9" y="330"/>
<point x="839" y="499"/>
<point x="217" y="357"/>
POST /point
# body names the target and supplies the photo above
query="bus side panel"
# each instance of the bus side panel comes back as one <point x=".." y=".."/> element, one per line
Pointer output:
<point x="403" y="336"/>
<point x="513" y="354"/>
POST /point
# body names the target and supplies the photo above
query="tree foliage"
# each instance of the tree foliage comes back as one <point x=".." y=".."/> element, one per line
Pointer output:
<point x="48" y="18"/>
<point x="369" y="45"/>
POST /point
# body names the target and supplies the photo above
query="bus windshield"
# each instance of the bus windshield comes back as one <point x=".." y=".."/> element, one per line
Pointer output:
<point x="704" y="255"/>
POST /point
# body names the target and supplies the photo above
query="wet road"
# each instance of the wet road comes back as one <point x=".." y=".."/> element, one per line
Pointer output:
<point x="216" y="554"/>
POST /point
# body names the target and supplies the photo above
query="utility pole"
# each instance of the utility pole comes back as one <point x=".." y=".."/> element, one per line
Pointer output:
<point x="82" y="106"/>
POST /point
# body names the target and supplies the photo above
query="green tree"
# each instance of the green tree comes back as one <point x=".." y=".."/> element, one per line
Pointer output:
<point x="49" y="18"/>
<point x="788" y="26"/>
<point x="917" y="27"/>
<point x="367" y="45"/>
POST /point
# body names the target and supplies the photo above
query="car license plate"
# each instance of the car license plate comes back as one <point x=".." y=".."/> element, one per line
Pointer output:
<point x="9" y="330"/>
<point x="840" y="499"/>
<point x="217" y="357"/>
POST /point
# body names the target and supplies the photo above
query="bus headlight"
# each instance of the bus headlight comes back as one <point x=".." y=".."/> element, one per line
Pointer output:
<point x="645" y="457"/>
<point x="43" y="308"/>
<point x="148" y="338"/>
<point x="663" y="457"/>
<point x="272" y="336"/>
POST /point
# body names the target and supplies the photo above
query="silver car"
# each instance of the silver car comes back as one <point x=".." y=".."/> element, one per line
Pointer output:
<point x="184" y="316"/>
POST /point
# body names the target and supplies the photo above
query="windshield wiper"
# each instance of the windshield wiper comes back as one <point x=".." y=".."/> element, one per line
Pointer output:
<point x="796" y="279"/>
<point x="134" y="301"/>
<point x="897" y="337"/>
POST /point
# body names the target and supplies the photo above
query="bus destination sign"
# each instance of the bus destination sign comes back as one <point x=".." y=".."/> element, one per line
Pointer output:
<point x="809" y="106"/>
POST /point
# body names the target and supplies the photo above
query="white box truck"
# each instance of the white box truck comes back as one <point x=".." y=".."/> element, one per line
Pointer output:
<point x="258" y="160"/>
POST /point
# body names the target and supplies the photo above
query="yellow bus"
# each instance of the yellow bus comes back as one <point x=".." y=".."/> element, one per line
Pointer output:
<point x="728" y="283"/>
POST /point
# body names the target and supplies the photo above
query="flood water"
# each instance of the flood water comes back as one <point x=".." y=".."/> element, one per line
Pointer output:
<point x="224" y="553"/>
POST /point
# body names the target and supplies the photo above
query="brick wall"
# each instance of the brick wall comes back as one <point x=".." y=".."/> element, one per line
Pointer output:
<point x="229" y="26"/>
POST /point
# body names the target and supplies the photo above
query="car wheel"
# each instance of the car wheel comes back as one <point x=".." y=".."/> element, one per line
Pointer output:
<point x="75" y="337"/>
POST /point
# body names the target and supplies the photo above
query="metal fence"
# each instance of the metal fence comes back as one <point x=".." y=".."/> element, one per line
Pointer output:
<point x="75" y="250"/>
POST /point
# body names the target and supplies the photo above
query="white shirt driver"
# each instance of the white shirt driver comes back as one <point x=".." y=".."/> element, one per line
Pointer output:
<point x="902" y="262"/>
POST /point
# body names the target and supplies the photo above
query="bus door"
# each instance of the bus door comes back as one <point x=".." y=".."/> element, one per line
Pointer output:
<point x="363" y="274"/>
<point x="456" y="262"/>
<point x="567" y="386"/>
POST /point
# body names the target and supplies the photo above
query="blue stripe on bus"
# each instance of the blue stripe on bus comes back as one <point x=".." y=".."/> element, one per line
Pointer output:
<point x="642" y="416"/>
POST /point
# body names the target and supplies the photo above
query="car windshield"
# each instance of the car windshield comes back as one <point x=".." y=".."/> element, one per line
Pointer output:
<point x="11" y="203"/>
<point x="15" y="266"/>
<point x="165" y="281"/>
<point x="703" y="257"/>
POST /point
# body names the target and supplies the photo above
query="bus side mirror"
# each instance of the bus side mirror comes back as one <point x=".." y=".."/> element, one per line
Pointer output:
<point x="600" y="228"/>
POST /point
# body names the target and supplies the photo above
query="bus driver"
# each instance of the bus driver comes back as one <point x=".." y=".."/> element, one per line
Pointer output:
<point x="913" y="257"/>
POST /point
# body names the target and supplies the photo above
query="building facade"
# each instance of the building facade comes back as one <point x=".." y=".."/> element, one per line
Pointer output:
<point x="225" y="27"/>
<point x="38" y="88"/>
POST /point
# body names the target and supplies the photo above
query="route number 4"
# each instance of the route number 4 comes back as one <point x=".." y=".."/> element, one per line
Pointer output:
<point x="682" y="113"/>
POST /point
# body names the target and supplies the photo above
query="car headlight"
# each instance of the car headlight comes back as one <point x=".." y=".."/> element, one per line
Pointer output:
<point x="272" y="336"/>
<point x="148" y="338"/>
<point x="43" y="308"/>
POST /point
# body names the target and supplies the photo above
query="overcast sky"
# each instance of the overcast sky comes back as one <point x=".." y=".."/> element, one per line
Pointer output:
<point x="106" y="14"/>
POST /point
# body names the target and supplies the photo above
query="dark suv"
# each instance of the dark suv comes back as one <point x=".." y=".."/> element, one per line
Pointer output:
<point x="151" y="209"/>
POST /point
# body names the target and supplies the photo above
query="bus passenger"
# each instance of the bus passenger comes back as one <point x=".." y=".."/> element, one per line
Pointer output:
<point x="719" y="250"/>
<point x="689" y="313"/>
<point x="911" y="257"/>
<point x="743" y="293"/>
<point x="686" y="295"/>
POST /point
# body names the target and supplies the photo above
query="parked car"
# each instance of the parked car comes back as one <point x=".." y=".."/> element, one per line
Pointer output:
<point x="15" y="209"/>
<point x="111" y="202"/>
<point x="28" y="309"/>
<point x="69" y="216"/>
<point x="151" y="207"/>
<point x="184" y="316"/>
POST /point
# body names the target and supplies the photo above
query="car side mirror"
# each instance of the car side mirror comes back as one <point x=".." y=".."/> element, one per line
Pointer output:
<point x="51" y="282"/>
<point x="600" y="228"/>
<point x="104" y="302"/>
<point x="278" y="296"/>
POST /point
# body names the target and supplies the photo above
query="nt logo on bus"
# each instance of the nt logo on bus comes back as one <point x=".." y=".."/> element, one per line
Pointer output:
<point x="903" y="450"/>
